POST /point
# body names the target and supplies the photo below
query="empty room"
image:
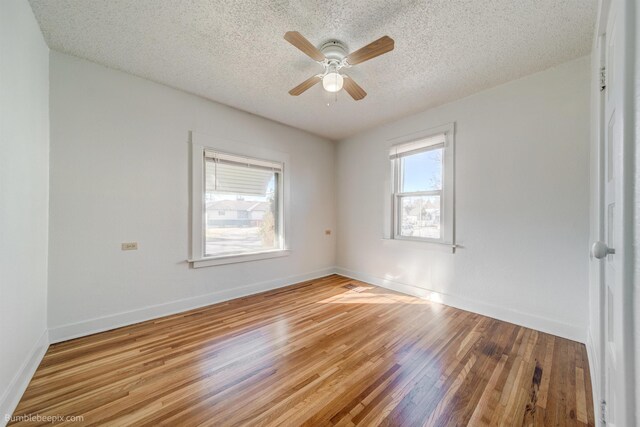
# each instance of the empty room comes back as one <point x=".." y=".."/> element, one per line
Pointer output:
<point x="303" y="213"/>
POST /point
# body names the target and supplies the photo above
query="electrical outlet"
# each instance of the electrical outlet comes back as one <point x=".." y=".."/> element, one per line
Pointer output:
<point x="130" y="246"/>
<point x="327" y="232"/>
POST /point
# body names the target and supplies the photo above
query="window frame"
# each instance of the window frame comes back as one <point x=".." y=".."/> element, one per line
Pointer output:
<point x="200" y="145"/>
<point x="446" y="193"/>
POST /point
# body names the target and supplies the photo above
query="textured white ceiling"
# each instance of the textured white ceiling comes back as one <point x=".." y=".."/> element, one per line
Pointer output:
<point x="232" y="51"/>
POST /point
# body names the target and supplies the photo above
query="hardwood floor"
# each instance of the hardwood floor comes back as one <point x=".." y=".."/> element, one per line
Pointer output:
<point x="331" y="351"/>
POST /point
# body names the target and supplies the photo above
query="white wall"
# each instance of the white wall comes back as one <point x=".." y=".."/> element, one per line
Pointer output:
<point x="24" y="198"/>
<point x="119" y="173"/>
<point x="522" y="197"/>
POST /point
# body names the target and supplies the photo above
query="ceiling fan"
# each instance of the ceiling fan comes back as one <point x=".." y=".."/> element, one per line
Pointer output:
<point x="333" y="57"/>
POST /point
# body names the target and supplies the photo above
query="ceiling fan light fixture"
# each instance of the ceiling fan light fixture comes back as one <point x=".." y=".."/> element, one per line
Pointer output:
<point x="332" y="56"/>
<point x="332" y="82"/>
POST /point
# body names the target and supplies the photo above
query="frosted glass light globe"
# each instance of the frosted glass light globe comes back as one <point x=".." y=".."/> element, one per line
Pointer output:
<point x="332" y="82"/>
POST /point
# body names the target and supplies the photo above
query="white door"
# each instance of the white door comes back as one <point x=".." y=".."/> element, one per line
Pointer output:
<point x="615" y="308"/>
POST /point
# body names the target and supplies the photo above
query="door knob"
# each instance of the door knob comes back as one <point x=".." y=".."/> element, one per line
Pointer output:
<point x="601" y="250"/>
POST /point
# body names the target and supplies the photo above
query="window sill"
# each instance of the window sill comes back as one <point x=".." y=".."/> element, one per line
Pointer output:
<point x="452" y="246"/>
<point x="233" y="259"/>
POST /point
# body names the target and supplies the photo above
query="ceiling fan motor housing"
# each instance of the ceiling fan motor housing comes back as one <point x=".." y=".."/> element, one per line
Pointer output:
<point x="334" y="50"/>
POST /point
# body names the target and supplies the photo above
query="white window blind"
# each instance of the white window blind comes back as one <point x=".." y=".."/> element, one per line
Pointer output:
<point x="415" y="147"/>
<point x="228" y="173"/>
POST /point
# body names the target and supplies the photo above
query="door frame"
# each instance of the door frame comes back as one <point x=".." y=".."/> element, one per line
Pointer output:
<point x="625" y="250"/>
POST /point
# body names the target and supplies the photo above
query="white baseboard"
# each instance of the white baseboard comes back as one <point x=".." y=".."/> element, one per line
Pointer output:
<point x="505" y="314"/>
<point x="594" y="370"/>
<point x="20" y="381"/>
<point x="101" y="324"/>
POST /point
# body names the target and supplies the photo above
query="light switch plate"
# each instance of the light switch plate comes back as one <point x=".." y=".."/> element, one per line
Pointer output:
<point x="130" y="246"/>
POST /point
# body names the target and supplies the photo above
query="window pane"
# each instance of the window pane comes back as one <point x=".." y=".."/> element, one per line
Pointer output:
<point x="241" y="209"/>
<point x="420" y="216"/>
<point x="422" y="171"/>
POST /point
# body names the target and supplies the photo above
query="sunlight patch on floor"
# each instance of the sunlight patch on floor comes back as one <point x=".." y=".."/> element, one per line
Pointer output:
<point x="356" y="296"/>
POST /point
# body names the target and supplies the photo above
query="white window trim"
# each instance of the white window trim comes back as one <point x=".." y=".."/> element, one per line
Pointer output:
<point x="447" y="200"/>
<point x="199" y="144"/>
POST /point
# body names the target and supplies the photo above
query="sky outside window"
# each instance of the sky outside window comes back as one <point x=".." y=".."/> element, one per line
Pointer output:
<point x="422" y="171"/>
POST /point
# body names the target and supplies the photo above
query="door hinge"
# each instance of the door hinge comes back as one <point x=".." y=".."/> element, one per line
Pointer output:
<point x="603" y="412"/>
<point x="603" y="78"/>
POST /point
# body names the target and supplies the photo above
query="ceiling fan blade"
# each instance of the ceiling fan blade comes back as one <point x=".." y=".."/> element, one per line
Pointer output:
<point x="304" y="85"/>
<point x="298" y="40"/>
<point x="354" y="89"/>
<point x="382" y="45"/>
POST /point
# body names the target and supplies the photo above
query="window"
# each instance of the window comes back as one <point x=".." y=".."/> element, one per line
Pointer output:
<point x="246" y="192"/>
<point x="422" y="188"/>
<point x="237" y="204"/>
